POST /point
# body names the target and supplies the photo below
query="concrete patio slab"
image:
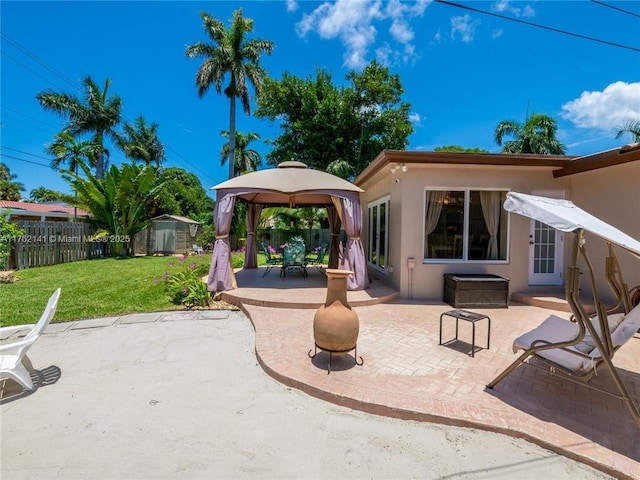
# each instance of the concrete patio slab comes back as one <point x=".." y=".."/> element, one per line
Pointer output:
<point x="187" y="399"/>
<point x="93" y="323"/>
<point x="140" y="318"/>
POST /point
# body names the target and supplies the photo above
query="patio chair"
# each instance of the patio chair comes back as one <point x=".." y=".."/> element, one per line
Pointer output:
<point x="198" y="249"/>
<point x="575" y="349"/>
<point x="14" y="362"/>
<point x="294" y="257"/>
<point x="317" y="259"/>
<point x="272" y="259"/>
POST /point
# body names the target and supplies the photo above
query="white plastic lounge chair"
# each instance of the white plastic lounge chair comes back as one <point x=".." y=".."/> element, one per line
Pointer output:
<point x="198" y="249"/>
<point x="575" y="349"/>
<point x="14" y="362"/>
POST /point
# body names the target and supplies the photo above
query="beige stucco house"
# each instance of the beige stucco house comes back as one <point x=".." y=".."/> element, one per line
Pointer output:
<point x="427" y="214"/>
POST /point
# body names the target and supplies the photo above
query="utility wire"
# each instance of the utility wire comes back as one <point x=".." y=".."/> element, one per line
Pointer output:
<point x="27" y="68"/>
<point x="617" y="8"/>
<point x="23" y="160"/>
<point x="544" y="27"/>
<point x="39" y="60"/>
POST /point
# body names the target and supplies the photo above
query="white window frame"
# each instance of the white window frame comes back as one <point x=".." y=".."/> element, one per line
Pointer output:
<point x="376" y="203"/>
<point x="465" y="230"/>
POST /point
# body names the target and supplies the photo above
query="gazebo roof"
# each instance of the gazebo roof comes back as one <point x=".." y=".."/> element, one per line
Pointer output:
<point x="291" y="184"/>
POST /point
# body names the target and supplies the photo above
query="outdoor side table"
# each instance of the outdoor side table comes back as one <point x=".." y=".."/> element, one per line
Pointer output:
<point x="471" y="317"/>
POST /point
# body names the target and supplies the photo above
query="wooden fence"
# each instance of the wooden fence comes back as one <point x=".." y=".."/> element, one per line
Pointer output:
<point x="50" y="243"/>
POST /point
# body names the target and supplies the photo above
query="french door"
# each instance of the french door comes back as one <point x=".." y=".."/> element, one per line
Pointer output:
<point x="377" y="254"/>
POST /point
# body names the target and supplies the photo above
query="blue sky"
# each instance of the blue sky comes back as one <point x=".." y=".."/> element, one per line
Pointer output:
<point x="463" y="71"/>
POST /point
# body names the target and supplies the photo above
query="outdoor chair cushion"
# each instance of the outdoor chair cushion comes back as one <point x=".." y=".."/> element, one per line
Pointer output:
<point x="556" y="329"/>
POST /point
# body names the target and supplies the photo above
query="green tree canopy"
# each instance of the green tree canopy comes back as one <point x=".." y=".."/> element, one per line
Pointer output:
<point x="337" y="129"/>
<point x="247" y="159"/>
<point x="69" y="153"/>
<point x="181" y="194"/>
<point x="459" y="149"/>
<point x="10" y="188"/>
<point x="43" y="194"/>
<point x="536" y="135"/>
<point x="232" y="53"/>
<point x="140" y="142"/>
<point x="96" y="114"/>
<point x="117" y="202"/>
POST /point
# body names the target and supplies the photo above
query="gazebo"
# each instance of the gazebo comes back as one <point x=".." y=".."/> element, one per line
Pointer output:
<point x="291" y="184"/>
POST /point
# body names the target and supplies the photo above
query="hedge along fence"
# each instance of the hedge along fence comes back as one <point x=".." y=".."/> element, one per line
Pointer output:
<point x="50" y="243"/>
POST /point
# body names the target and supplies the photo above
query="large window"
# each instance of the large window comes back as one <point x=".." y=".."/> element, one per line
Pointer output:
<point x="468" y="225"/>
<point x="378" y="233"/>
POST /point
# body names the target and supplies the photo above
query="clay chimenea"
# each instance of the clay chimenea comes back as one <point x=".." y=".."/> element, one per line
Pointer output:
<point x="335" y="324"/>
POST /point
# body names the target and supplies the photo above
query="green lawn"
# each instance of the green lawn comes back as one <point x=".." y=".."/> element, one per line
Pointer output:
<point x="90" y="288"/>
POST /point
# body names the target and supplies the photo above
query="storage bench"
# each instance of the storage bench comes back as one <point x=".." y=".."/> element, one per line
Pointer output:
<point x="470" y="290"/>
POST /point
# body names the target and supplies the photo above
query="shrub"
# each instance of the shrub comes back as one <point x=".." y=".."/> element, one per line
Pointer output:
<point x="8" y="232"/>
<point x="185" y="287"/>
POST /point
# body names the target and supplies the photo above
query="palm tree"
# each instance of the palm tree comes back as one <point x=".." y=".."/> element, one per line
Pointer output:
<point x="247" y="160"/>
<point x="536" y="135"/>
<point x="68" y="152"/>
<point x="140" y="142"/>
<point x="9" y="188"/>
<point x="96" y="113"/>
<point x="44" y="194"/>
<point x="230" y="53"/>
<point x="632" y="127"/>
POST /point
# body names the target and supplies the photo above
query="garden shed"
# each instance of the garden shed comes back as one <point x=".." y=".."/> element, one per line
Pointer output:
<point x="168" y="234"/>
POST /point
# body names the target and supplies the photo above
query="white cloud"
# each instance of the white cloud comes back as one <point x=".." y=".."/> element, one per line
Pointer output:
<point x="463" y="26"/>
<point x="438" y="36"/>
<point x="415" y="118"/>
<point x="292" y="5"/>
<point x="607" y="110"/>
<point x="505" y="6"/>
<point x="497" y="33"/>
<point x="352" y="22"/>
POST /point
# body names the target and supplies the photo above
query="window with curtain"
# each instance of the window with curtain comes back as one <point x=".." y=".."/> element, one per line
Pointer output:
<point x="465" y="225"/>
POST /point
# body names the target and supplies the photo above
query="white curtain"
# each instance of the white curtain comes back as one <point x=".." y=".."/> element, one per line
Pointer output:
<point x="491" y="209"/>
<point x="433" y="201"/>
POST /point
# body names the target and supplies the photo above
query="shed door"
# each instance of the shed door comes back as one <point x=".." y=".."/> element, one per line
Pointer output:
<point x="165" y="236"/>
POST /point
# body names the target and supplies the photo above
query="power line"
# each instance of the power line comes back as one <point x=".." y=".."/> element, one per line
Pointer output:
<point x="544" y="27"/>
<point x="617" y="8"/>
<point x="23" y="160"/>
<point x="39" y="60"/>
<point x="27" y="68"/>
<point x="23" y="152"/>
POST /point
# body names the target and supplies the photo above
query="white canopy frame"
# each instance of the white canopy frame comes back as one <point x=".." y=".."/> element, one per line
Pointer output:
<point x="566" y="216"/>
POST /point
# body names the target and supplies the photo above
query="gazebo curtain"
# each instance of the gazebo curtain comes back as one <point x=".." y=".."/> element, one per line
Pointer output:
<point x="251" y="253"/>
<point x="353" y="256"/>
<point x="346" y="211"/>
<point x="220" y="273"/>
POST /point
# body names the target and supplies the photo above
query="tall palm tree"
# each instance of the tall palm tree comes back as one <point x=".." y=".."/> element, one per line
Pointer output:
<point x="9" y="188"/>
<point x="536" y="135"/>
<point x="230" y="53"/>
<point x="247" y="160"/>
<point x="96" y="113"/>
<point x="68" y="153"/>
<point x="632" y="127"/>
<point x="140" y="142"/>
